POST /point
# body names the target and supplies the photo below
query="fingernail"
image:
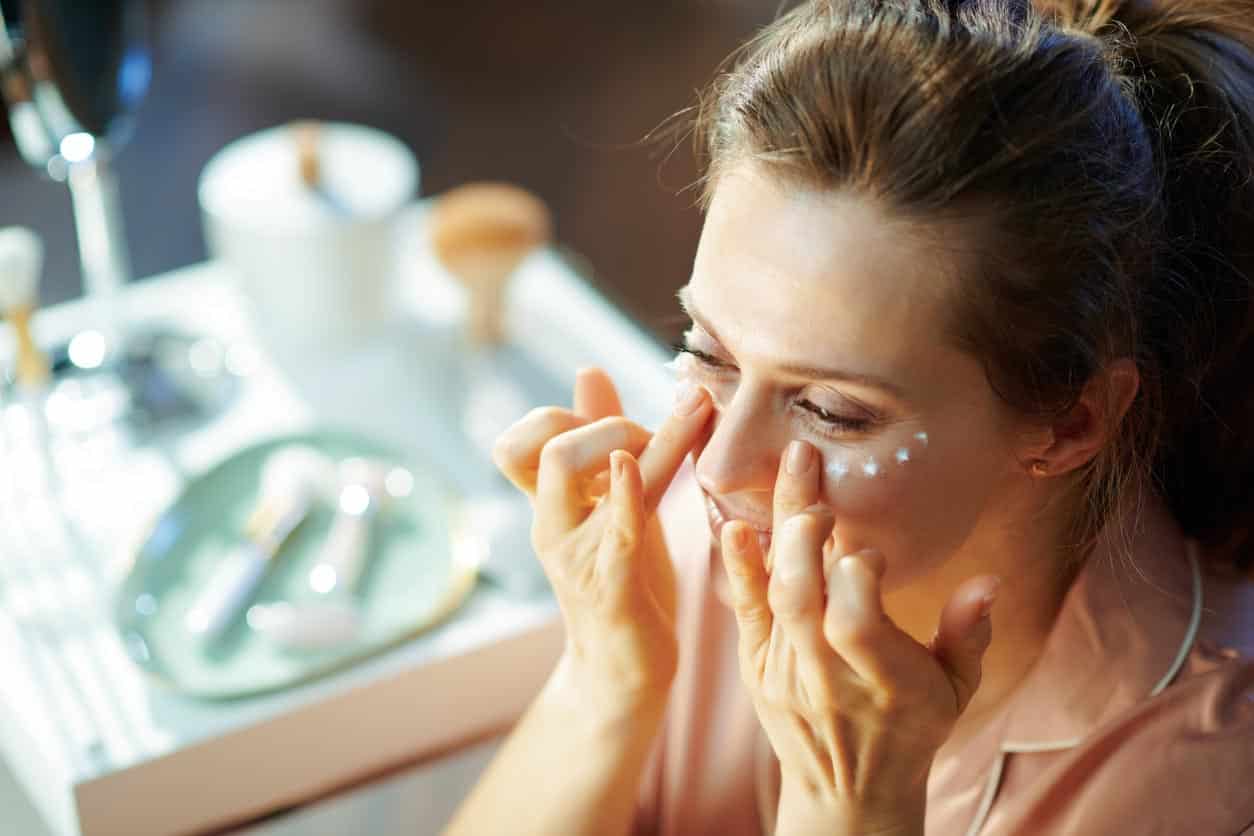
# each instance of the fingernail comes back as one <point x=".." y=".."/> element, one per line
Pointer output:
<point x="616" y="466"/>
<point x="986" y="602"/>
<point x="799" y="457"/>
<point x="687" y="398"/>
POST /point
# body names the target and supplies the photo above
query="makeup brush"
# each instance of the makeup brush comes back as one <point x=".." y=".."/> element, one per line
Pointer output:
<point x="481" y="232"/>
<point x="335" y="617"/>
<point x="21" y="259"/>
<point x="291" y="479"/>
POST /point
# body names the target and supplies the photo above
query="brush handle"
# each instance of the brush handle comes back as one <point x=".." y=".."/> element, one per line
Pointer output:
<point x="226" y="596"/>
<point x="32" y="363"/>
<point x="343" y="556"/>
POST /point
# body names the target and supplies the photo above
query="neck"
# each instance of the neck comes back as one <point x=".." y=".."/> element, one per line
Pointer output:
<point x="1031" y="595"/>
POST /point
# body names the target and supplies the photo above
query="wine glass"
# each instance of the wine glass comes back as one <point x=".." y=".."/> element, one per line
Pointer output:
<point x="72" y="75"/>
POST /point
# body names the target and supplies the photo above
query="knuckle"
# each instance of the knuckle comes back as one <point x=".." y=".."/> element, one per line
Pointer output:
<point x="612" y="422"/>
<point x="558" y="453"/>
<point x="623" y="538"/>
<point x="518" y="439"/>
<point x="544" y="416"/>
<point x="742" y="577"/>
<point x="750" y="612"/>
<point x="888" y="702"/>
<point x="786" y="599"/>
<point x="546" y="421"/>
<point x="848" y="632"/>
<point x="505" y="451"/>
<point x="793" y="535"/>
<point x="615" y="429"/>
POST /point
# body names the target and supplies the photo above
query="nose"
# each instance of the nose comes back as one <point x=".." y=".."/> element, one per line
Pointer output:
<point x="742" y="452"/>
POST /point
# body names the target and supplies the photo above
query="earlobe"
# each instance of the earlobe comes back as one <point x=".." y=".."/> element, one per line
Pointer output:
<point x="1078" y="436"/>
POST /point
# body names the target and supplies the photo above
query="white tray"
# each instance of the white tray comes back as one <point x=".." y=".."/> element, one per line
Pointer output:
<point x="163" y="763"/>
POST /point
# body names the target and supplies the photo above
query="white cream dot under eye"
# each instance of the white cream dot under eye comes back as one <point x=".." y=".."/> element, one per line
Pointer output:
<point x="837" y="470"/>
<point x="686" y="369"/>
<point x="837" y="465"/>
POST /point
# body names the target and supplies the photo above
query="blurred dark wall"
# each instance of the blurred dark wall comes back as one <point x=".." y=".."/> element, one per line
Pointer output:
<point x="555" y="96"/>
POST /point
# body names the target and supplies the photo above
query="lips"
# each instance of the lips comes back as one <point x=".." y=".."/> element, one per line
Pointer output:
<point x="718" y="518"/>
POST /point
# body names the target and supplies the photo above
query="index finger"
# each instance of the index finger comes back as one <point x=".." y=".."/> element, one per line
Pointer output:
<point x="595" y="395"/>
<point x="665" y="452"/>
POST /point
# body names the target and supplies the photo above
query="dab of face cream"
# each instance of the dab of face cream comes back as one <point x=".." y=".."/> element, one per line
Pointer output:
<point x="837" y="470"/>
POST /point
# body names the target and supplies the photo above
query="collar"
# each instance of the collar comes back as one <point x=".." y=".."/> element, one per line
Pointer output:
<point x="1125" y="629"/>
<point x="1123" y="633"/>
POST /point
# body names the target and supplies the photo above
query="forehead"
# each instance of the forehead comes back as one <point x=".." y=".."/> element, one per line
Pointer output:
<point x="818" y="276"/>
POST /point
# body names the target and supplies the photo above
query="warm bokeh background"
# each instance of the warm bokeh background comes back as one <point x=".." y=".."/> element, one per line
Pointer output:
<point x="552" y="94"/>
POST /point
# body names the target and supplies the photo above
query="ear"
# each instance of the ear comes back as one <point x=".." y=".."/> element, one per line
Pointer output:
<point x="1072" y="440"/>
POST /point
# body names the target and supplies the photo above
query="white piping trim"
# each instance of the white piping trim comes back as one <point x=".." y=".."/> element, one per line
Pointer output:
<point x="994" y="778"/>
<point x="1043" y="746"/>
<point x="990" y="792"/>
<point x="1194" y="621"/>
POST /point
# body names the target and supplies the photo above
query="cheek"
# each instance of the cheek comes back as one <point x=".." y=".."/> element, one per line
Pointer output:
<point x="871" y="483"/>
<point x="891" y="496"/>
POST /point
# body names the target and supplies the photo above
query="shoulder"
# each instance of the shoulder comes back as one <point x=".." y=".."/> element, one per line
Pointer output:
<point x="1185" y="755"/>
<point x="1179" y="762"/>
<point x="1194" y="745"/>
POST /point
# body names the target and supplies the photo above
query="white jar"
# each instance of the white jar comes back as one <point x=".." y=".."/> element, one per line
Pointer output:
<point x="318" y="264"/>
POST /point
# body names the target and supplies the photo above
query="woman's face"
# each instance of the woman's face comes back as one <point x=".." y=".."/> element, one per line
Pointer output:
<point x="818" y="317"/>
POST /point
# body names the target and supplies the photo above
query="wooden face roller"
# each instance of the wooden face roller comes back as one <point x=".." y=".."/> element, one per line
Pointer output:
<point x="481" y="232"/>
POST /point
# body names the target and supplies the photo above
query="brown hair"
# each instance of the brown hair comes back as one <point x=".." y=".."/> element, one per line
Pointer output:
<point x="1106" y="147"/>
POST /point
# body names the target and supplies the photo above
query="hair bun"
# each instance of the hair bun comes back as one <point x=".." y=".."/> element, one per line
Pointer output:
<point x="1137" y="28"/>
<point x="1189" y="68"/>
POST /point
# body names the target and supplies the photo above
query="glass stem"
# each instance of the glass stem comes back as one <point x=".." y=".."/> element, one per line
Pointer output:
<point x="101" y="242"/>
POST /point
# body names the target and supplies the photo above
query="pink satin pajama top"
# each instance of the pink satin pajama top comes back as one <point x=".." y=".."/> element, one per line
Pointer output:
<point x="1138" y="717"/>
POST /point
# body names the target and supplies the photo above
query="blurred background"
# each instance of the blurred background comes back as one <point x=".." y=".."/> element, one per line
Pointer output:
<point x="554" y="95"/>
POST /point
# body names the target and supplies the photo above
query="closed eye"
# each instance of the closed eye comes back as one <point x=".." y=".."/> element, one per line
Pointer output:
<point x="701" y="356"/>
<point x="825" y="421"/>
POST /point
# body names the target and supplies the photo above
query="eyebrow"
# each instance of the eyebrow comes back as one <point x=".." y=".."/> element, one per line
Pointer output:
<point x="684" y="295"/>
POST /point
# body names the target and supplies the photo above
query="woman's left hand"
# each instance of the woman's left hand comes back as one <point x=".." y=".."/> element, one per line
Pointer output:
<point x="854" y="707"/>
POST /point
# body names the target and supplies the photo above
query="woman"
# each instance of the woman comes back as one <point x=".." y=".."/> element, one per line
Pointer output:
<point x="973" y="326"/>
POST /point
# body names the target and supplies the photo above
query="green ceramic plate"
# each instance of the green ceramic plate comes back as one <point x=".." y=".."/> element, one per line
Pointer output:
<point x="419" y="571"/>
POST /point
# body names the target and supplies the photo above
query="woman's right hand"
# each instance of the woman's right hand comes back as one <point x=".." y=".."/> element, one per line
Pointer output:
<point x="602" y="550"/>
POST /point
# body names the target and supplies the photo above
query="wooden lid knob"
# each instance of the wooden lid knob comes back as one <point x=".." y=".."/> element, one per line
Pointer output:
<point x="481" y="232"/>
<point x="307" y="135"/>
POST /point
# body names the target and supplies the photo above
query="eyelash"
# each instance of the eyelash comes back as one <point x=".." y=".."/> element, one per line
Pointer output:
<point x="825" y="422"/>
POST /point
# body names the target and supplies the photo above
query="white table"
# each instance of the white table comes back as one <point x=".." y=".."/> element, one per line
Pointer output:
<point x="167" y="763"/>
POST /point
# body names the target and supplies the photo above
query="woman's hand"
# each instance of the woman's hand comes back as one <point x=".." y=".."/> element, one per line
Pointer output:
<point x="602" y="550"/>
<point x="854" y="707"/>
